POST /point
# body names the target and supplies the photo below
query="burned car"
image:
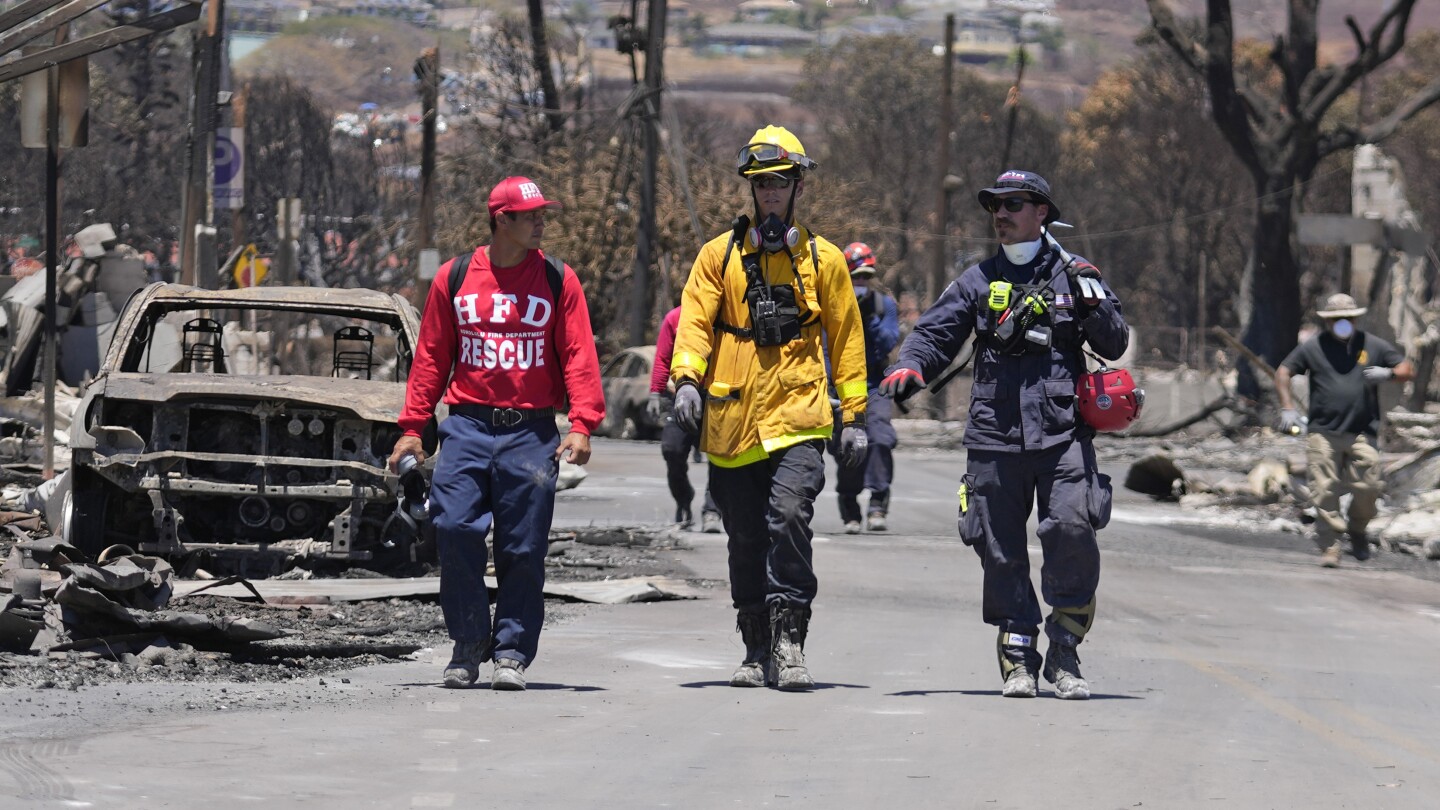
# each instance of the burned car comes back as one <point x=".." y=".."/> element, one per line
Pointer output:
<point x="243" y="420"/>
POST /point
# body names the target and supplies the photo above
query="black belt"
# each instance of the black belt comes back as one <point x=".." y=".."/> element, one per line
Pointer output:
<point x="502" y="417"/>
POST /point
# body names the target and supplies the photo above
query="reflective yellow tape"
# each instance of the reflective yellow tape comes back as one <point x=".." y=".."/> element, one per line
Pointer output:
<point x="690" y="360"/>
<point x="854" y="388"/>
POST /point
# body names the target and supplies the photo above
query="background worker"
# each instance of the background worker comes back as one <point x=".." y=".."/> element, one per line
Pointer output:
<point x="757" y="303"/>
<point x="1346" y="367"/>
<point x="504" y="351"/>
<point x="880" y="317"/>
<point x="675" y="442"/>
<point x="1024" y="440"/>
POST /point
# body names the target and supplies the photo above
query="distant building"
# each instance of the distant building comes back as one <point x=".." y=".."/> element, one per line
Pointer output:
<point x="763" y="11"/>
<point x="755" y="38"/>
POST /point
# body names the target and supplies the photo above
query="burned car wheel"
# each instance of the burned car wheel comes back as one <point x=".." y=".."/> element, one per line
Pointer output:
<point x="87" y="528"/>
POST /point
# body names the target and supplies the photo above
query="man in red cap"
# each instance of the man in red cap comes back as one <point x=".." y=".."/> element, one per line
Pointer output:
<point x="505" y="338"/>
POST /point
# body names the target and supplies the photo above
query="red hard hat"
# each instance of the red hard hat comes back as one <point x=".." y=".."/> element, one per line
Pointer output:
<point x="858" y="255"/>
<point x="1109" y="400"/>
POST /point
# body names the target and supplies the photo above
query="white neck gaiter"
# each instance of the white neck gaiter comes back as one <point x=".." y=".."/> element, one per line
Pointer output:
<point x="1022" y="253"/>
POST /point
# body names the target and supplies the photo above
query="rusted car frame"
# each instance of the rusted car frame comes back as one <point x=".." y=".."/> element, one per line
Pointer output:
<point x="199" y="454"/>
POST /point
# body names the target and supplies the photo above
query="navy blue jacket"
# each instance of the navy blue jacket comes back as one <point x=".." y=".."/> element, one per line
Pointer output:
<point x="882" y="332"/>
<point x="1018" y="402"/>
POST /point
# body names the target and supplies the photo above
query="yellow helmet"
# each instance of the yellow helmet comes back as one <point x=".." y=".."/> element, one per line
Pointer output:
<point x="772" y="149"/>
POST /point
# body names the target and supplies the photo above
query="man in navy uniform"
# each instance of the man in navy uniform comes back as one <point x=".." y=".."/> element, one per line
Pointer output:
<point x="1030" y="312"/>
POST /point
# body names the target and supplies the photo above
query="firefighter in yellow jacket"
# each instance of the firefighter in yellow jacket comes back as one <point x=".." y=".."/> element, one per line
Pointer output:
<point x="749" y="354"/>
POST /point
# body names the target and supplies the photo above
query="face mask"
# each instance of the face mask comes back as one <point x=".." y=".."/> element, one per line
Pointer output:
<point x="1342" y="329"/>
<point x="772" y="233"/>
<point x="860" y="290"/>
<point x="1022" y="253"/>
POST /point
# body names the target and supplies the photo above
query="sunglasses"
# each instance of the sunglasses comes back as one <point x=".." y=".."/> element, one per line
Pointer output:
<point x="771" y="181"/>
<point x="1011" y="204"/>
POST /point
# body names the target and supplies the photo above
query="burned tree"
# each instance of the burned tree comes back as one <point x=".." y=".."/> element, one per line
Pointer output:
<point x="1278" y="127"/>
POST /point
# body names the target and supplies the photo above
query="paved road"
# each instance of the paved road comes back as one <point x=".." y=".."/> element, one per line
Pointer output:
<point x="1229" y="671"/>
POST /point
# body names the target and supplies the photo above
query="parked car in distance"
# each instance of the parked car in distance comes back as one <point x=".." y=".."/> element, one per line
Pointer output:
<point x="626" y="381"/>
<point x="240" y="421"/>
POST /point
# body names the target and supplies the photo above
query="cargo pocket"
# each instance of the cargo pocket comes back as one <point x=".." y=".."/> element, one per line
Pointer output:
<point x="1101" y="500"/>
<point x="1059" y="407"/>
<point x="723" y="422"/>
<point x="974" y="518"/>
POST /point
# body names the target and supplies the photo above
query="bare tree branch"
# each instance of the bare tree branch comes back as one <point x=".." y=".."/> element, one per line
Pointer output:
<point x="1373" y="51"/>
<point x="1190" y="51"/>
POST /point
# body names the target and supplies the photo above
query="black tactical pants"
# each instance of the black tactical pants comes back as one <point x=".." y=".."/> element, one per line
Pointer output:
<point x="766" y="508"/>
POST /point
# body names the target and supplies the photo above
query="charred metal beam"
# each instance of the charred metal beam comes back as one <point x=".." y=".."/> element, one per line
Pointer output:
<point x="104" y="40"/>
<point x="21" y="34"/>
<point x="23" y="11"/>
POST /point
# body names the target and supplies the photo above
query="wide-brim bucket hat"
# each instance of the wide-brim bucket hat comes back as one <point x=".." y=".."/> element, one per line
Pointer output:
<point x="1341" y="305"/>
<point x="1016" y="180"/>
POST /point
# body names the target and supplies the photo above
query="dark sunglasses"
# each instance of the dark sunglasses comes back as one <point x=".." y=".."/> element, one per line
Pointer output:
<point x="770" y="180"/>
<point x="1011" y="204"/>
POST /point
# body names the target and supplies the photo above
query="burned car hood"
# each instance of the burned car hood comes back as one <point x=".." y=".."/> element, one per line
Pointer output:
<point x="374" y="400"/>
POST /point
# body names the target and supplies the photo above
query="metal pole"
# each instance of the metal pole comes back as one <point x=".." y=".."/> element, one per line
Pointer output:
<point x="52" y="256"/>
<point x="1201" y="310"/>
<point x="940" y="243"/>
<point x="427" y="70"/>
<point x="645" y="237"/>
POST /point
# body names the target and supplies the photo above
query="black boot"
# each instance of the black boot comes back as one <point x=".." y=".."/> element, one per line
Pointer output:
<point x="754" y="627"/>
<point x="1018" y="664"/>
<point x="1062" y="668"/>
<point x="788" y="627"/>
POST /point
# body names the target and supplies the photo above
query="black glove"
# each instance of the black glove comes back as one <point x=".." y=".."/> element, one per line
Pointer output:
<point x="688" y="407"/>
<point x="854" y="443"/>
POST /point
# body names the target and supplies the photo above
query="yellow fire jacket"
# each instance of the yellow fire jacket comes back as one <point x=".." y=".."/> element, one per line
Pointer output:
<point x="762" y="399"/>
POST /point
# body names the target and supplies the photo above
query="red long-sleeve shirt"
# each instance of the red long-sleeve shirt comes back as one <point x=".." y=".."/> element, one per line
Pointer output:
<point x="499" y="343"/>
<point x="664" y="347"/>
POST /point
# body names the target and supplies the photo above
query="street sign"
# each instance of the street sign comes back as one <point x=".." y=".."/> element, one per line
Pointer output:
<point x="250" y="269"/>
<point x="230" y="167"/>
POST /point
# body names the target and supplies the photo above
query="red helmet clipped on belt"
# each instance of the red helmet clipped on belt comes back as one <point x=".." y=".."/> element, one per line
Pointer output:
<point x="1109" y="400"/>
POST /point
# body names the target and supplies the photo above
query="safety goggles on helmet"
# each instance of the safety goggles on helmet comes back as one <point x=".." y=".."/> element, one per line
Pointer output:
<point x="758" y="155"/>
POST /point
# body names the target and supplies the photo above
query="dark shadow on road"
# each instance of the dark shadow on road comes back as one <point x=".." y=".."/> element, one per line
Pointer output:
<point x="995" y="693"/>
<point x="726" y="684"/>
<point x="533" y="687"/>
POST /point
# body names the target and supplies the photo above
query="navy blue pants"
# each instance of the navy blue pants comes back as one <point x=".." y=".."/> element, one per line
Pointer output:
<point x="879" y="468"/>
<point x="1074" y="501"/>
<point x="503" y="476"/>
<point x="675" y="447"/>
<point x="766" y="508"/>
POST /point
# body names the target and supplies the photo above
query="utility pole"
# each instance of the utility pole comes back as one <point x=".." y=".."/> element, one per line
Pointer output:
<point x="645" y="234"/>
<point x="942" y="149"/>
<point x="197" y="251"/>
<point x="1200" y="310"/>
<point x="1013" y="101"/>
<point x="427" y="71"/>
<point x="52" y="256"/>
<point x="238" y="231"/>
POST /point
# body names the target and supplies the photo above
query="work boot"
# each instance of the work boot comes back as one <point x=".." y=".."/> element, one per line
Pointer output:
<point x="464" y="667"/>
<point x="754" y="627"/>
<point x="509" y="675"/>
<point x="1360" y="546"/>
<point x="852" y="527"/>
<point x="1062" y="668"/>
<point x="710" y="522"/>
<point x="683" y="517"/>
<point x="875" y="522"/>
<point x="1330" y="557"/>
<point x="788" y="628"/>
<point x="1018" y="663"/>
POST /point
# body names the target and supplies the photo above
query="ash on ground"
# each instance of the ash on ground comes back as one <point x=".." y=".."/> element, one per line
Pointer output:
<point x="323" y="639"/>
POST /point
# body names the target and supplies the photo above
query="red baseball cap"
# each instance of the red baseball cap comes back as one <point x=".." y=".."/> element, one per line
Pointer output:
<point x="515" y="194"/>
